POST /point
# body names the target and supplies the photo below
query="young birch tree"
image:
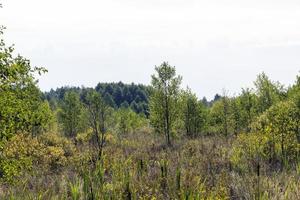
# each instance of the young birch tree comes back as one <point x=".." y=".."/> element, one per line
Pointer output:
<point x="98" y="112"/>
<point x="164" y="99"/>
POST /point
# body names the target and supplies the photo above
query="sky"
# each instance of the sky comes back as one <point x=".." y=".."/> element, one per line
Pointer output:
<point x="214" y="44"/>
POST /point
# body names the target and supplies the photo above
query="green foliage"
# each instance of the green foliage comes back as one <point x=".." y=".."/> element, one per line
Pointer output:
<point x="268" y="92"/>
<point x="71" y="114"/>
<point x="195" y="168"/>
<point x="21" y="106"/>
<point x="164" y="106"/>
<point x="17" y="156"/>
<point x="247" y="102"/>
<point x="280" y="124"/>
<point x="116" y="95"/>
<point x="194" y="114"/>
<point x="248" y="150"/>
<point x="23" y="152"/>
<point x="75" y="190"/>
<point x="127" y="121"/>
<point x="220" y="117"/>
<point x="99" y="112"/>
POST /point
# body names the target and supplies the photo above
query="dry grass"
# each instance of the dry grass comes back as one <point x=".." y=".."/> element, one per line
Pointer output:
<point x="140" y="166"/>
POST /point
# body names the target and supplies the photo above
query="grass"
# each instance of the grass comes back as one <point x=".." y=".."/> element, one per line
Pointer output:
<point x="140" y="166"/>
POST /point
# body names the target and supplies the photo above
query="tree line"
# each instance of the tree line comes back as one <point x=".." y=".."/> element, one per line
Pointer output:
<point x="116" y="95"/>
<point x="268" y="111"/>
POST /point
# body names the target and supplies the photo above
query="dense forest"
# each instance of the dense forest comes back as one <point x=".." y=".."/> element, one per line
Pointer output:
<point x="128" y="141"/>
<point x="116" y="95"/>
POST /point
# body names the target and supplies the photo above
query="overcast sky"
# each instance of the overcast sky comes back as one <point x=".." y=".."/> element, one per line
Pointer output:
<point x="214" y="44"/>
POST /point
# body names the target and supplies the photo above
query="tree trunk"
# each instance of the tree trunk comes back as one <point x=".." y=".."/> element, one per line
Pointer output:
<point x="167" y="118"/>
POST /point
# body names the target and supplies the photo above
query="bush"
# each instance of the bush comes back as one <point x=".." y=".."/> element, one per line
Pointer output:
<point x="18" y="155"/>
<point x="248" y="149"/>
<point x="22" y="152"/>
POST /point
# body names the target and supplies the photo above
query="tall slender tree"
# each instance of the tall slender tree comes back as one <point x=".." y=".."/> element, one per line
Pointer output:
<point x="268" y="92"/>
<point x="70" y="114"/>
<point x="164" y="99"/>
<point x="226" y="112"/>
<point x="98" y="115"/>
<point x="248" y="111"/>
<point x="194" y="114"/>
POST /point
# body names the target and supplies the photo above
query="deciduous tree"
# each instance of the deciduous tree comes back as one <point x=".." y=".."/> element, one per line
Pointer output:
<point x="70" y="114"/>
<point x="98" y="117"/>
<point x="164" y="99"/>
